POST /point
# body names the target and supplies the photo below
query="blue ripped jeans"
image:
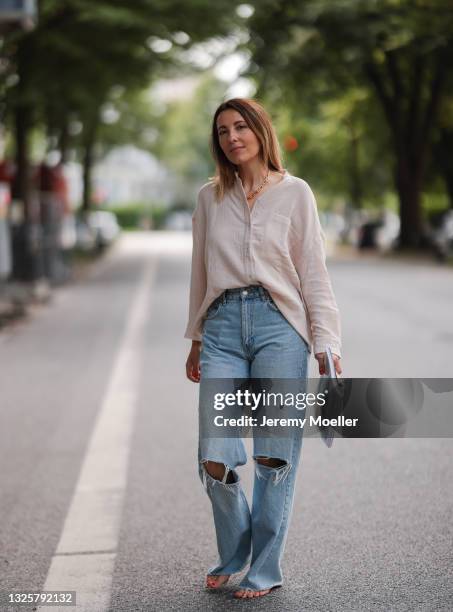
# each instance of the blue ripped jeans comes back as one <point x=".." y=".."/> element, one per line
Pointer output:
<point x="246" y="336"/>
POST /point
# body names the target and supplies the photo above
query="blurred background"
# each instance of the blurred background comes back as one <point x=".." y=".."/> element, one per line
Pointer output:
<point x="105" y="115"/>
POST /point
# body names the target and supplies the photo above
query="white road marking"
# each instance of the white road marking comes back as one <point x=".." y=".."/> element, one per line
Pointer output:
<point x="85" y="556"/>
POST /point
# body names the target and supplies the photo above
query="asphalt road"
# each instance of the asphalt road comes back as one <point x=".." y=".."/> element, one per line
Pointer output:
<point x="99" y="490"/>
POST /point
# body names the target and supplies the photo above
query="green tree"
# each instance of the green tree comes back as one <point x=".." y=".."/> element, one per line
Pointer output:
<point x="81" y="52"/>
<point x="336" y="144"/>
<point x="185" y="131"/>
<point x="400" y="49"/>
<point x="70" y="65"/>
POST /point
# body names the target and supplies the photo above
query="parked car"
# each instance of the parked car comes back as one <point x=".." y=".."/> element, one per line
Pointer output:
<point x="442" y="235"/>
<point x="388" y="231"/>
<point x="105" y="226"/>
<point x="68" y="232"/>
<point x="86" y="238"/>
<point x="381" y="233"/>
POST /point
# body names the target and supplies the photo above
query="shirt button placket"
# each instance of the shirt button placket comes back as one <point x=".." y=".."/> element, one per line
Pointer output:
<point x="249" y="250"/>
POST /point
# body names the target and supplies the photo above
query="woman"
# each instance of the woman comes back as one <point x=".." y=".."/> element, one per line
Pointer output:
<point x="260" y="297"/>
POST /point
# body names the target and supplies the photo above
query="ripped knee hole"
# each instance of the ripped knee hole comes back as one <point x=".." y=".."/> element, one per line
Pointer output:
<point x="217" y="471"/>
<point x="270" y="462"/>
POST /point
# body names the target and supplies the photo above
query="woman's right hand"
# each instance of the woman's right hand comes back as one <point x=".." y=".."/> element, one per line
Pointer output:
<point x="193" y="371"/>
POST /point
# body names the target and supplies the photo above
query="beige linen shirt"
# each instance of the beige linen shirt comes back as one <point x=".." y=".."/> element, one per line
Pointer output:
<point x="279" y="244"/>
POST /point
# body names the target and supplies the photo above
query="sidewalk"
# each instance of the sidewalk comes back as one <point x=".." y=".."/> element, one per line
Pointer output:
<point x="18" y="297"/>
<point x="346" y="252"/>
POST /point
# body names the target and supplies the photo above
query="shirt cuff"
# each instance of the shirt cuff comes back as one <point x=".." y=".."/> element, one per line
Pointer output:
<point x="193" y="336"/>
<point x="320" y="346"/>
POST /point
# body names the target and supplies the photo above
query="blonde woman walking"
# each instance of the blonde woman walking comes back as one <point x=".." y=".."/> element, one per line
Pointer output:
<point x="260" y="302"/>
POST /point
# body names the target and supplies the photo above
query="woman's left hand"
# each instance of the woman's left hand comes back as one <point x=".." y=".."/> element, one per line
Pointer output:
<point x="322" y="360"/>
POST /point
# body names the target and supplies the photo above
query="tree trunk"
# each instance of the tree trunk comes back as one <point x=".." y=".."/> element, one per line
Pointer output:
<point x="355" y="190"/>
<point x="412" y="137"/>
<point x="21" y="187"/>
<point x="409" y="186"/>
<point x="88" y="159"/>
<point x="63" y="142"/>
<point x="448" y="178"/>
<point x="443" y="156"/>
<point x="28" y="263"/>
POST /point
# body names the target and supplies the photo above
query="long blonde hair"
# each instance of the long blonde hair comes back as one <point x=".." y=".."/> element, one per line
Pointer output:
<point x="260" y="123"/>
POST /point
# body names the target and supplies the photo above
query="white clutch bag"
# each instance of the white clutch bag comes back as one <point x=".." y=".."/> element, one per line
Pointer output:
<point x="331" y="386"/>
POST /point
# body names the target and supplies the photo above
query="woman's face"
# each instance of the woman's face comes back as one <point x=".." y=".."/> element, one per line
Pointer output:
<point x="236" y="139"/>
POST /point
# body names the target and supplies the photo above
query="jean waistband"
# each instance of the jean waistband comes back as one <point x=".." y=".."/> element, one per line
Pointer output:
<point x="250" y="292"/>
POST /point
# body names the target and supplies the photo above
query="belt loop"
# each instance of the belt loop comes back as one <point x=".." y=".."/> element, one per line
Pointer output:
<point x="224" y="297"/>
<point x="261" y="292"/>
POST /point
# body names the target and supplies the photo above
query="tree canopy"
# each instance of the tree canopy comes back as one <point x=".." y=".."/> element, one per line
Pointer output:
<point x="399" y="50"/>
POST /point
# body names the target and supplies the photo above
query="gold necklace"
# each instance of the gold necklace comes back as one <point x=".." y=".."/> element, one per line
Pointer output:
<point x="258" y="189"/>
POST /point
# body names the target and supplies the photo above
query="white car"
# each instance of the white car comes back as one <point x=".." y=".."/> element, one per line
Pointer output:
<point x="105" y="227"/>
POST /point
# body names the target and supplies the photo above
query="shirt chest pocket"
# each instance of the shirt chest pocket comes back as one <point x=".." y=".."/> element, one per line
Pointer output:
<point x="276" y="231"/>
<point x="276" y="240"/>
